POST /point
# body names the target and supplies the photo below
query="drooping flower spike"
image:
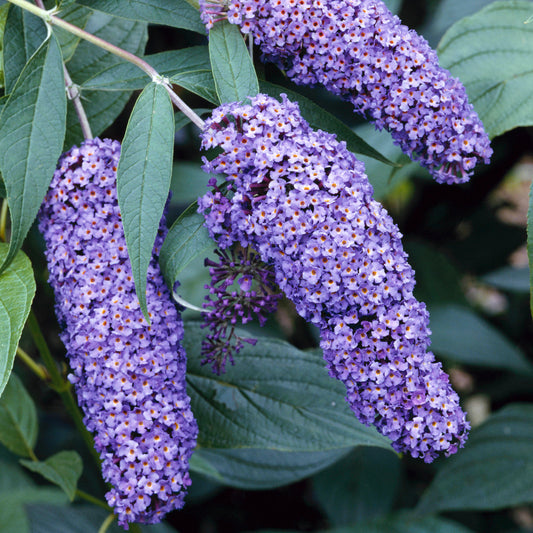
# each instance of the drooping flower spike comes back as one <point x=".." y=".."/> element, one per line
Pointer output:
<point x="129" y="376"/>
<point x="303" y="201"/>
<point x="360" y="51"/>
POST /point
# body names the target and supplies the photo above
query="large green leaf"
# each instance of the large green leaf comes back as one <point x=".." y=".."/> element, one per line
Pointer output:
<point x="512" y="279"/>
<point x="495" y="470"/>
<point x="102" y="108"/>
<point x="491" y="54"/>
<point x="79" y="519"/>
<point x="16" y="492"/>
<point x="23" y="35"/>
<point x="18" y="418"/>
<point x="319" y="118"/>
<point x="261" y="469"/>
<point x="143" y="178"/>
<point x="233" y="70"/>
<point x="63" y="469"/>
<point x="17" y="288"/>
<point x="461" y="335"/>
<point x="401" y="522"/>
<point x="350" y="491"/>
<point x="32" y="129"/>
<point x="4" y="10"/>
<point x="176" y="13"/>
<point x="275" y="397"/>
<point x="190" y="68"/>
<point x="187" y="239"/>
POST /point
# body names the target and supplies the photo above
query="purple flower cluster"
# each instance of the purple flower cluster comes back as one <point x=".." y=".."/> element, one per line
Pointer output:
<point x="360" y="51"/>
<point x="242" y="287"/>
<point x="129" y="376"/>
<point x="303" y="201"/>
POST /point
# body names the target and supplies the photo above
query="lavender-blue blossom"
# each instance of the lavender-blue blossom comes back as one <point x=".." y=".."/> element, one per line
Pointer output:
<point x="303" y="201"/>
<point x="360" y="51"/>
<point x="129" y="376"/>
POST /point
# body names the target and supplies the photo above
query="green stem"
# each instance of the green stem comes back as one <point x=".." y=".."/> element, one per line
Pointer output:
<point x="51" y="19"/>
<point x="61" y="385"/>
<point x="3" y="220"/>
<point x="37" y="369"/>
<point x="92" y="499"/>
<point x="106" y="523"/>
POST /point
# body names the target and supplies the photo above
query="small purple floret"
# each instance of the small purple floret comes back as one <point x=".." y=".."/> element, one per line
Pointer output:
<point x="360" y="51"/>
<point x="129" y="376"/>
<point x="303" y="201"/>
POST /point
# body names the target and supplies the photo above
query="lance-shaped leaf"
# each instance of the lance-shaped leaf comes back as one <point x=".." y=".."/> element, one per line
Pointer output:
<point x="187" y="239"/>
<point x="233" y="70"/>
<point x="63" y="469"/>
<point x="18" y="419"/>
<point x="17" y="288"/>
<point x="143" y="178"/>
<point x="24" y="34"/>
<point x="495" y="470"/>
<point x="491" y="54"/>
<point x="32" y="129"/>
<point x="176" y="13"/>
<point x="275" y="397"/>
<point x="461" y="335"/>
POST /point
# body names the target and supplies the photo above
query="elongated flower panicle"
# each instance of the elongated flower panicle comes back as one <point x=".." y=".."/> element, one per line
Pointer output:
<point x="303" y="201"/>
<point x="360" y="51"/>
<point x="129" y="376"/>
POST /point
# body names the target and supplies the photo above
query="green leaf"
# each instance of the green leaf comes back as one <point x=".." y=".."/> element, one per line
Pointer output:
<point x="495" y="470"/>
<point x="63" y="469"/>
<point x="319" y="118"/>
<point x="350" y="491"/>
<point x="461" y="335"/>
<point x="101" y="108"/>
<point x="490" y="52"/>
<point x="262" y="469"/>
<point x="79" y="519"/>
<point x="77" y="15"/>
<point x="190" y="68"/>
<point x="512" y="279"/>
<point x="401" y="522"/>
<point x="233" y="70"/>
<point x="4" y="10"/>
<point x="32" y="129"/>
<point x="18" y="419"/>
<point x="16" y="492"/>
<point x="17" y="289"/>
<point x="187" y="239"/>
<point x="23" y="35"/>
<point x="276" y="397"/>
<point x="143" y="178"/>
<point x="176" y="13"/>
<point x="437" y="279"/>
<point x="189" y="182"/>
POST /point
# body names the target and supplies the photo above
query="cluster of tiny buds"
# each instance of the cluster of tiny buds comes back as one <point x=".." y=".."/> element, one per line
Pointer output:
<point x="242" y="288"/>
